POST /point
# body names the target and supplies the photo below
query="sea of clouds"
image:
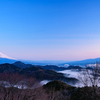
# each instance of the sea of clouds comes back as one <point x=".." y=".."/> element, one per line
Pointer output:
<point x="85" y="78"/>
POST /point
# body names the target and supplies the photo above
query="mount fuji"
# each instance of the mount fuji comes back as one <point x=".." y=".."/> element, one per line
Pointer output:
<point x="6" y="59"/>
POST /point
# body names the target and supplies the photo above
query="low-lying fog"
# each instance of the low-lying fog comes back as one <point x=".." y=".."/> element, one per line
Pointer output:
<point x="85" y="78"/>
<point x="73" y="74"/>
<point x="44" y="82"/>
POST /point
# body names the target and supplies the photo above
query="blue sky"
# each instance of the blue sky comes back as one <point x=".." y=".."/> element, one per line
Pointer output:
<point x="50" y="29"/>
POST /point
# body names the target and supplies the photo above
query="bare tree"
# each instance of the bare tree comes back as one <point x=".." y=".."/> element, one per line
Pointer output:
<point x="90" y="77"/>
<point x="9" y="84"/>
<point x="14" y="86"/>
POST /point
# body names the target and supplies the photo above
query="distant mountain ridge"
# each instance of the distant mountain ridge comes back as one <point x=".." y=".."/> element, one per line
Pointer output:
<point x="46" y="67"/>
<point x="6" y="59"/>
<point x="82" y="62"/>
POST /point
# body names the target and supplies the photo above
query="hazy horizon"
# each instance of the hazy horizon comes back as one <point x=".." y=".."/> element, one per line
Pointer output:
<point x="40" y="30"/>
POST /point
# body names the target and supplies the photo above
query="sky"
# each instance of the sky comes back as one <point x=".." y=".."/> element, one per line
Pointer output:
<point x="50" y="29"/>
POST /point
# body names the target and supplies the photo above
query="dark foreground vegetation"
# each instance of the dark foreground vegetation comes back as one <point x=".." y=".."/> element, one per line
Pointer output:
<point x="55" y="90"/>
<point x="24" y="84"/>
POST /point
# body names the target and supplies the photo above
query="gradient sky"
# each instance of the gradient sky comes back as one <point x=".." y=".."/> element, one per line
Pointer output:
<point x="50" y="29"/>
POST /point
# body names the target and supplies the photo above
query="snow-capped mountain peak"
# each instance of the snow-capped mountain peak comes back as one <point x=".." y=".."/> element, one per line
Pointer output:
<point x="5" y="56"/>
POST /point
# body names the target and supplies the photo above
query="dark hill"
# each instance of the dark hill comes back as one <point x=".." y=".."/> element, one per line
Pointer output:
<point x="21" y="64"/>
<point x="8" y="68"/>
<point x="36" y="72"/>
<point x="62" y="91"/>
<point x="74" y="67"/>
<point x="59" y="90"/>
<point x="53" y="67"/>
<point x="47" y="67"/>
<point x="56" y="85"/>
<point x="42" y="74"/>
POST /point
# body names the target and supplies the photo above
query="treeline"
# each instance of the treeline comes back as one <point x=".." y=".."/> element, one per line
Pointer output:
<point x="14" y="86"/>
<point x="17" y="87"/>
